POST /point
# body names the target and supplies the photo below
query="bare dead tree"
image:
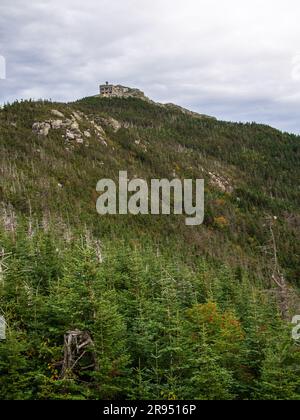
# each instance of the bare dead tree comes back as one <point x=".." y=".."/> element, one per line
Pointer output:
<point x="3" y="266"/>
<point x="98" y="246"/>
<point x="9" y="219"/>
<point x="277" y="276"/>
<point x="77" y="345"/>
<point x="30" y="221"/>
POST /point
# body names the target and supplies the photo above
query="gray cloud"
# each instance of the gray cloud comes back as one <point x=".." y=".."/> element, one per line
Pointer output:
<point x="236" y="60"/>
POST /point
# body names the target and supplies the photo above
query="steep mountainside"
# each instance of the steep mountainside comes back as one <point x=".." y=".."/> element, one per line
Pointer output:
<point x="171" y="311"/>
<point x="251" y="172"/>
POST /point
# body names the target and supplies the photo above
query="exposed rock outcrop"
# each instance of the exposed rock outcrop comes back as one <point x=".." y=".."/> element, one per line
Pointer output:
<point x="221" y="183"/>
<point x="57" y="113"/>
<point x="41" y="128"/>
<point x="119" y="91"/>
<point x="73" y="134"/>
<point x="56" y="124"/>
<point x="111" y="122"/>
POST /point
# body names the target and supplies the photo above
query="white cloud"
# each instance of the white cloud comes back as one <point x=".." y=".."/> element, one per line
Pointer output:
<point x="236" y="60"/>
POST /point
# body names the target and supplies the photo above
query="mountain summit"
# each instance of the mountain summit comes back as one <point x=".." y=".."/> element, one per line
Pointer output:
<point x="118" y="91"/>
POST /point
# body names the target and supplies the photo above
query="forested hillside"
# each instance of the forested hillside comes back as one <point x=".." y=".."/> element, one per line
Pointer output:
<point x="167" y="311"/>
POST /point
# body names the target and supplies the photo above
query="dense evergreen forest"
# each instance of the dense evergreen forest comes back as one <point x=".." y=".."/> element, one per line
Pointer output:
<point x="167" y="311"/>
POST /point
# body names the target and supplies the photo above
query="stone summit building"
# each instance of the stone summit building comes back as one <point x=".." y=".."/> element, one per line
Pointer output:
<point x="117" y="91"/>
<point x="109" y="90"/>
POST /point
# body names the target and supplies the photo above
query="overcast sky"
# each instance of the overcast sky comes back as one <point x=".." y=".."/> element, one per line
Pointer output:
<point x="236" y="60"/>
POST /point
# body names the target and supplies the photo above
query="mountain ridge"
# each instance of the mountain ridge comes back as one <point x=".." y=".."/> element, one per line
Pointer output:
<point x="119" y="91"/>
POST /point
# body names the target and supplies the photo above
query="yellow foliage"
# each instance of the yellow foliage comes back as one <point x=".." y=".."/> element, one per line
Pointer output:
<point x="220" y="202"/>
<point x="223" y="326"/>
<point x="221" y="222"/>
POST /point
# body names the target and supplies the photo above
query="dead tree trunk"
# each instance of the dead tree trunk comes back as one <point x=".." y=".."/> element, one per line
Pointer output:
<point x="77" y="345"/>
<point x="3" y="266"/>
<point x="278" y="277"/>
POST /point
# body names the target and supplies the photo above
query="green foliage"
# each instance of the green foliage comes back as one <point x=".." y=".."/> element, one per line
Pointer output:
<point x="44" y="178"/>
<point x="173" y="312"/>
<point x="156" y="331"/>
